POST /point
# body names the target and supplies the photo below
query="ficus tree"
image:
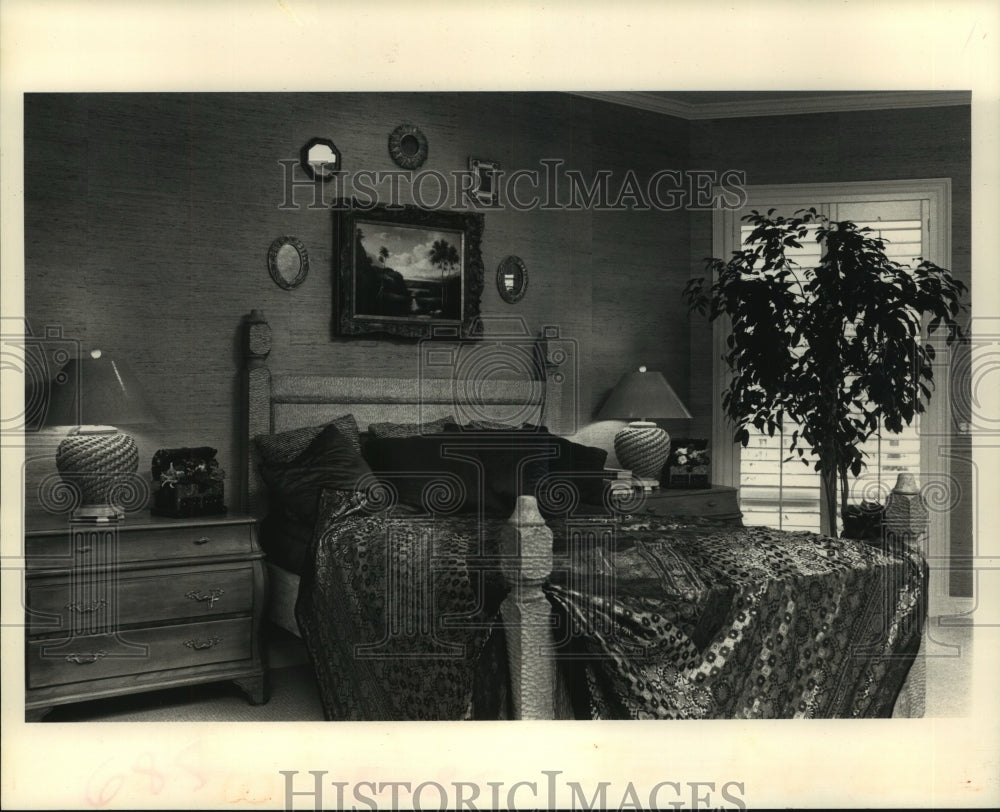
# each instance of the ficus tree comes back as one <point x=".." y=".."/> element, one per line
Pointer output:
<point x="840" y="350"/>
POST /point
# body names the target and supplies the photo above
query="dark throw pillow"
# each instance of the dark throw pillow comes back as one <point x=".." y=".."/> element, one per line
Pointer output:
<point x="423" y="474"/>
<point x="329" y="461"/>
<point x="517" y="461"/>
<point x="386" y="430"/>
<point x="285" y="446"/>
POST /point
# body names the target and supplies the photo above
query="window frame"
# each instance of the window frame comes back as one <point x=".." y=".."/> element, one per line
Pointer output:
<point x="935" y="422"/>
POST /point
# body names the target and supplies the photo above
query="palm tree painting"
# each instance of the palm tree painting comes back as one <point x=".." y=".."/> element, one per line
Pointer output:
<point x="444" y="256"/>
<point x="410" y="272"/>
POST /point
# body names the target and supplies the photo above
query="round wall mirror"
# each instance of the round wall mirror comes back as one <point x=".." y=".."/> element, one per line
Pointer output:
<point x="320" y="158"/>
<point x="287" y="262"/>
<point x="408" y="146"/>
<point x="512" y="279"/>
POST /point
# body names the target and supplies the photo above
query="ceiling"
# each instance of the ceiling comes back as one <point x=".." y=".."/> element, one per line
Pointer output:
<point x="705" y="104"/>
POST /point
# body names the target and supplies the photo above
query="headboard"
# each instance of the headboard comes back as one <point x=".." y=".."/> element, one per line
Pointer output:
<point x="502" y="380"/>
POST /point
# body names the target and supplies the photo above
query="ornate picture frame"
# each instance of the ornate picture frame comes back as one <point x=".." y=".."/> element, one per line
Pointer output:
<point x="512" y="279"/>
<point x="407" y="271"/>
<point x="288" y="262"/>
<point x="320" y="159"/>
<point x="408" y="146"/>
<point x="484" y="180"/>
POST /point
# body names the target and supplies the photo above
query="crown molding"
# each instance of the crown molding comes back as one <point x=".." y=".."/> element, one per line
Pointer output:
<point x="789" y="106"/>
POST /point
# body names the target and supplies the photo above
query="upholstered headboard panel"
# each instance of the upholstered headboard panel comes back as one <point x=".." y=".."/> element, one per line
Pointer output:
<point x="298" y="400"/>
<point x="516" y="385"/>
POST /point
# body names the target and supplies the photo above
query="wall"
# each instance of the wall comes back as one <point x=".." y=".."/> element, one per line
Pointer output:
<point x="148" y="218"/>
<point x="854" y="146"/>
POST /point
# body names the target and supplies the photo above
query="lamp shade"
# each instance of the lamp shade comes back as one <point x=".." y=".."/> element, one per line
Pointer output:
<point x="642" y="446"/>
<point x="97" y="390"/>
<point x="94" y="394"/>
<point x="642" y="395"/>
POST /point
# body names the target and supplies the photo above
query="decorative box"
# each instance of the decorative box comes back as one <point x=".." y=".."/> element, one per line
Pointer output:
<point x="187" y="482"/>
<point x="688" y="465"/>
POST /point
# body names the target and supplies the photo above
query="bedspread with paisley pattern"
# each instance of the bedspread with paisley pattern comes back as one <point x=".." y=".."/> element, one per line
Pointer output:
<point x="706" y="621"/>
<point x="656" y="618"/>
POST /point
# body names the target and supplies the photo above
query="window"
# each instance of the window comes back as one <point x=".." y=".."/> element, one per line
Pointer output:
<point x="913" y="217"/>
<point x="776" y="488"/>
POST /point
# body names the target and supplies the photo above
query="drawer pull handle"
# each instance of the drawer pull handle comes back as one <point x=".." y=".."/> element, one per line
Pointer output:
<point x="711" y="503"/>
<point x="199" y="645"/>
<point x="90" y="607"/>
<point x="202" y="540"/>
<point x="212" y="596"/>
<point x="82" y="550"/>
<point x="86" y="659"/>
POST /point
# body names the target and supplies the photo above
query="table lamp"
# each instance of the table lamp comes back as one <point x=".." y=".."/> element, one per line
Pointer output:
<point x="642" y="446"/>
<point x="93" y="394"/>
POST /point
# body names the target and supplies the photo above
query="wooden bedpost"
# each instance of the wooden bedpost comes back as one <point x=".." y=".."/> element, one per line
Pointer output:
<point x="906" y="522"/>
<point x="257" y="402"/>
<point x="905" y="513"/>
<point x="526" y="547"/>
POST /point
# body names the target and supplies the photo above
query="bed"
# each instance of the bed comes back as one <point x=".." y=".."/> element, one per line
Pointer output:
<point x="539" y="603"/>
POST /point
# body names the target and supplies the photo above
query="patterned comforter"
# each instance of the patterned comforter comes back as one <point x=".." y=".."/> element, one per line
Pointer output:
<point x="656" y="618"/>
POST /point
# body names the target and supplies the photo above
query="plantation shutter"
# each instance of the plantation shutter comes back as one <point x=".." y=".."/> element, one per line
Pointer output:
<point x="775" y="491"/>
<point x="778" y="489"/>
<point x="903" y="226"/>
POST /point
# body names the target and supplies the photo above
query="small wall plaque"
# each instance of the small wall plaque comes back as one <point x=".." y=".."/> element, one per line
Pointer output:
<point x="287" y="262"/>
<point x="484" y="180"/>
<point x="512" y="279"/>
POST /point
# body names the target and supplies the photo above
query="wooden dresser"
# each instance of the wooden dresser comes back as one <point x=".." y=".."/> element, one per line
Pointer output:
<point x="717" y="502"/>
<point x="144" y="604"/>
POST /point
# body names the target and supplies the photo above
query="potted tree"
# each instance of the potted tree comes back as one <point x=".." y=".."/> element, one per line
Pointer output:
<point x="838" y="349"/>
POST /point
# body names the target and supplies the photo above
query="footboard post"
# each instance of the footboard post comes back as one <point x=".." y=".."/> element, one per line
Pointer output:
<point x="526" y="546"/>
<point x="906" y="523"/>
<point x="906" y="513"/>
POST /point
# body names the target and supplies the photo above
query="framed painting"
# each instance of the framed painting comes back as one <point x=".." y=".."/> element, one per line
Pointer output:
<point x="407" y="271"/>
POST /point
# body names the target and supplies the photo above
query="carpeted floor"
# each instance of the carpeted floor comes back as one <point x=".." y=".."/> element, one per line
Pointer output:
<point x="942" y="680"/>
<point x="293" y="696"/>
<point x="293" y="699"/>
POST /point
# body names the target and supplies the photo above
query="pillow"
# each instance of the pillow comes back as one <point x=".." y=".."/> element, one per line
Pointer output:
<point x="381" y="431"/>
<point x="287" y="445"/>
<point x="489" y="425"/>
<point x="329" y="461"/>
<point x="412" y="464"/>
<point x="581" y="465"/>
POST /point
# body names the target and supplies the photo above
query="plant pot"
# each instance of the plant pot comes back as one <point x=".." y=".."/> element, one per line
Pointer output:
<point x="680" y="476"/>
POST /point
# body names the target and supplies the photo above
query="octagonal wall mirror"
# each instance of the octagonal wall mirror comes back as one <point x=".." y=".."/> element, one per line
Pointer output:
<point x="320" y="159"/>
<point x="287" y="262"/>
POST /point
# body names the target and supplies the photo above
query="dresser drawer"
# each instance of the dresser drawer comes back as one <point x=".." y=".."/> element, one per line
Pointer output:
<point x="88" y="547"/>
<point x="168" y="648"/>
<point x="719" y="503"/>
<point x="99" y="604"/>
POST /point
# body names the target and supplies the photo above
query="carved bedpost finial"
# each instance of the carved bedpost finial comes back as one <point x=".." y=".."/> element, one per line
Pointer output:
<point x="905" y="512"/>
<point x="526" y="547"/>
<point x="527" y="542"/>
<point x="257" y="338"/>
<point x="257" y="404"/>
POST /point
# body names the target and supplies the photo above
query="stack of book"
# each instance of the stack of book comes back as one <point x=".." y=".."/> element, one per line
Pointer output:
<point x="623" y="478"/>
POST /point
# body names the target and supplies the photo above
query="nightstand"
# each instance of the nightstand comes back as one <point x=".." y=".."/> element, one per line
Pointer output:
<point x="716" y="502"/>
<point x="142" y="604"/>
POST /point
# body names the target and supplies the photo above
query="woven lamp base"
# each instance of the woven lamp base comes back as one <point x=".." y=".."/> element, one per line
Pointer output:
<point x="91" y="461"/>
<point x="643" y="448"/>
